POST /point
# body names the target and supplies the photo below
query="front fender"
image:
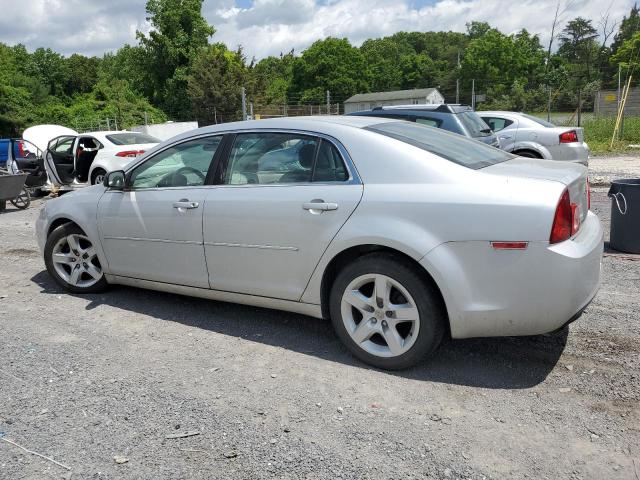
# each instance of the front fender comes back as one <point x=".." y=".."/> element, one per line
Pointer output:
<point x="79" y="207"/>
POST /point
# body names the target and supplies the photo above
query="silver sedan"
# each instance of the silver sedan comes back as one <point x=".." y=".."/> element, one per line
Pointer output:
<point x="533" y="137"/>
<point x="399" y="233"/>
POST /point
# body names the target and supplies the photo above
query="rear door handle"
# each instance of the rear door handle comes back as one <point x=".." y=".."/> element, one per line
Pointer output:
<point x="185" y="204"/>
<point x="322" y="206"/>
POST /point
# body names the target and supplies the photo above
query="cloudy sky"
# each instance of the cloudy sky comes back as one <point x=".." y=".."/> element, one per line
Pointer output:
<point x="266" y="27"/>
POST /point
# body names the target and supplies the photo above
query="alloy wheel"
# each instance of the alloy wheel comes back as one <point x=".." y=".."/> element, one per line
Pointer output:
<point x="75" y="261"/>
<point x="380" y="315"/>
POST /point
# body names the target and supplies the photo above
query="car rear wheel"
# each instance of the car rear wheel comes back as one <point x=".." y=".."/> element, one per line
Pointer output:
<point x="385" y="312"/>
<point x="72" y="261"/>
<point x="528" y="154"/>
<point x="97" y="177"/>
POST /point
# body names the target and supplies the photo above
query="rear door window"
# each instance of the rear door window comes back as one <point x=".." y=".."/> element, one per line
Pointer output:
<point x="496" y="124"/>
<point x="455" y="148"/>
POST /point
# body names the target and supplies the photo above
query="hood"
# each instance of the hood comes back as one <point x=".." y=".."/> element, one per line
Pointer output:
<point x="41" y="135"/>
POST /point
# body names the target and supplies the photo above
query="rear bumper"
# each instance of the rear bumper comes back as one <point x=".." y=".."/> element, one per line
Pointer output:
<point x="570" y="152"/>
<point x="517" y="292"/>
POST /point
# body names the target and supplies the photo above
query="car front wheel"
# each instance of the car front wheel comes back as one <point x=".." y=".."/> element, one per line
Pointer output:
<point x="71" y="260"/>
<point x="97" y="177"/>
<point x="385" y="312"/>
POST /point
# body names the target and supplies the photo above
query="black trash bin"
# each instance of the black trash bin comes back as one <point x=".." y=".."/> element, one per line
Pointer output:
<point x="625" y="215"/>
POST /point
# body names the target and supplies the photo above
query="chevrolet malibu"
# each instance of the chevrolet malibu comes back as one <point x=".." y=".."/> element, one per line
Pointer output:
<point x="398" y="233"/>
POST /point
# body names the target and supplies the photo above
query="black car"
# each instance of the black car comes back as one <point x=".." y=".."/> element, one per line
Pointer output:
<point x="459" y="119"/>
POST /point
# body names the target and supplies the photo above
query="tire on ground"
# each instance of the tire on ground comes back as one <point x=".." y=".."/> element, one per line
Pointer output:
<point x="53" y="238"/>
<point x="431" y="310"/>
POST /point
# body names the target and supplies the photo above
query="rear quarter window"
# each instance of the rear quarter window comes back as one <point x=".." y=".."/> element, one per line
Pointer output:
<point x="450" y="146"/>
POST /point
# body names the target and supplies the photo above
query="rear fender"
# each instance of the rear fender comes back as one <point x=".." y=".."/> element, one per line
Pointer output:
<point x="533" y="146"/>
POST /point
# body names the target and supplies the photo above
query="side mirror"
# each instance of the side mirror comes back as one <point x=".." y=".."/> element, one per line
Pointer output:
<point x="114" y="180"/>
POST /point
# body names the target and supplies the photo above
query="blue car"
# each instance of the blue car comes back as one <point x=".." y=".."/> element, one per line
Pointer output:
<point x="460" y="119"/>
<point x="28" y="159"/>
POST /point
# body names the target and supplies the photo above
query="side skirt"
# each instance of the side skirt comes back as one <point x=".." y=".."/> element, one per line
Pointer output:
<point x="218" y="295"/>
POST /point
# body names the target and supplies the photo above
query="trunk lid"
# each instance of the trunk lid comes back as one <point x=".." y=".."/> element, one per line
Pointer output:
<point x="572" y="175"/>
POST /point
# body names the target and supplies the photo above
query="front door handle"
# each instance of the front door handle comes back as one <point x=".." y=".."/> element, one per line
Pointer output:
<point x="505" y="137"/>
<point x="185" y="204"/>
<point x="319" y="206"/>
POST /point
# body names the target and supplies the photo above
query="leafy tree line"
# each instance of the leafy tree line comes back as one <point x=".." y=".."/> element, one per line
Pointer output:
<point x="177" y="71"/>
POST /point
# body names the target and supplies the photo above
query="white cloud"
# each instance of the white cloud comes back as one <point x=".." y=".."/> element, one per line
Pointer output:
<point x="273" y="26"/>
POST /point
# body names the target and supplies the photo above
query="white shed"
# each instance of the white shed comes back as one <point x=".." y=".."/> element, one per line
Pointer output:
<point x="418" y="96"/>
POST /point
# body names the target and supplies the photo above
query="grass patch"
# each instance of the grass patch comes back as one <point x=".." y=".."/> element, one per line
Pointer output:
<point x="598" y="133"/>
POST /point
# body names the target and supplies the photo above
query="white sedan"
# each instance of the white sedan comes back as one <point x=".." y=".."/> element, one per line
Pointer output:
<point x="74" y="160"/>
<point x="397" y="232"/>
<point x="532" y="137"/>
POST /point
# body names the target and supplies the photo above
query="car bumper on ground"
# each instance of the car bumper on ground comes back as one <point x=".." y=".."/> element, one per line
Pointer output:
<point x="492" y="292"/>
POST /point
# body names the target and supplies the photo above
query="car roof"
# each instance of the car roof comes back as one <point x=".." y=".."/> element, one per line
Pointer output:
<point x="318" y="123"/>
<point x="450" y="108"/>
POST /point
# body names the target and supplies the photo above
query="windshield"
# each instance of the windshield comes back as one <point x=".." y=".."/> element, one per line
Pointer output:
<point x="539" y="121"/>
<point x="474" y="125"/>
<point x="451" y="146"/>
<point x="131" y="138"/>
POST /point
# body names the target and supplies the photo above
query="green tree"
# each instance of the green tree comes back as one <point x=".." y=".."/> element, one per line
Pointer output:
<point x="387" y="59"/>
<point x="331" y="64"/>
<point x="179" y="33"/>
<point x="629" y="26"/>
<point x="215" y="82"/>
<point x="579" y="47"/>
<point x="50" y="67"/>
<point x="272" y="78"/>
<point x="82" y="74"/>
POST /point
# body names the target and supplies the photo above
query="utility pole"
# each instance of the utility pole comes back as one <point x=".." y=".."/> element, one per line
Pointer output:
<point x="108" y="124"/>
<point x="115" y="120"/>
<point x="251" y="110"/>
<point x="244" y="104"/>
<point x="146" y="118"/>
<point x="619" y="76"/>
<point x="215" y="115"/>
<point x="473" y="93"/>
<point x="458" y="80"/>
<point x="328" y="102"/>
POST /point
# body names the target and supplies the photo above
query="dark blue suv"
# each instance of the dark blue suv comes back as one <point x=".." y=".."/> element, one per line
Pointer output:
<point x="459" y="119"/>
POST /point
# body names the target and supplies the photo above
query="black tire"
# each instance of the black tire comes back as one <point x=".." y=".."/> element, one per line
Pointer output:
<point x="528" y="154"/>
<point x="53" y="239"/>
<point x="432" y="314"/>
<point x="95" y="173"/>
<point x="3" y="205"/>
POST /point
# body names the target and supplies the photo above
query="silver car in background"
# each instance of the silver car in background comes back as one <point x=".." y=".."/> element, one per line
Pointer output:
<point x="399" y="233"/>
<point x="529" y="136"/>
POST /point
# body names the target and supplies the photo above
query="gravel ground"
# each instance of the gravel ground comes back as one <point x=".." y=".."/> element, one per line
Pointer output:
<point x="98" y="382"/>
<point x="604" y="169"/>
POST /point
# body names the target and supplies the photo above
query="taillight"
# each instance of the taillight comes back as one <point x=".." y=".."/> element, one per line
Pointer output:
<point x="575" y="219"/>
<point x="21" y="153"/>
<point x="569" y="137"/>
<point x="588" y="195"/>
<point x="130" y="153"/>
<point x="562" y="221"/>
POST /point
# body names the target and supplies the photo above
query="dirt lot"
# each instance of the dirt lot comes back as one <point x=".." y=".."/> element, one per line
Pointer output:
<point x="84" y="379"/>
